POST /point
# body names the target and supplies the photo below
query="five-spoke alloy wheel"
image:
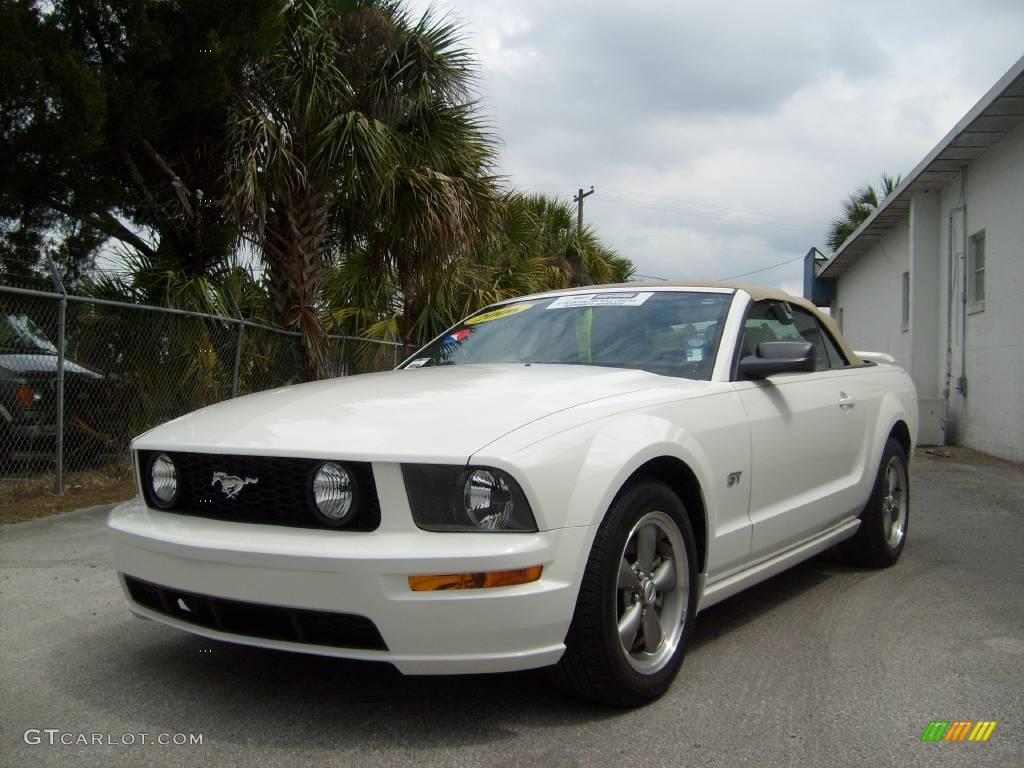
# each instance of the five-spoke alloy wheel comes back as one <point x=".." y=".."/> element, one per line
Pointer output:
<point x="636" y="603"/>
<point x="653" y="592"/>
<point x="884" y="521"/>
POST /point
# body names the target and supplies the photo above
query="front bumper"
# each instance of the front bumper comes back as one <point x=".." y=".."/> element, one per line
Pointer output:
<point x="29" y="442"/>
<point x="366" y="574"/>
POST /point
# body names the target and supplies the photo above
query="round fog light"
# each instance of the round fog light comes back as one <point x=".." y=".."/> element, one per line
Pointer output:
<point x="488" y="500"/>
<point x="163" y="477"/>
<point x="333" y="493"/>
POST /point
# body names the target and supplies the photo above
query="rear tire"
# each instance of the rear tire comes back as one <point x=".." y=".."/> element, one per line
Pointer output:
<point x="886" y="517"/>
<point x="636" y="604"/>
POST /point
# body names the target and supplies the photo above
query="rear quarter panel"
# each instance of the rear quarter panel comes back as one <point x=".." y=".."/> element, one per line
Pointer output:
<point x="889" y="395"/>
<point x="897" y="402"/>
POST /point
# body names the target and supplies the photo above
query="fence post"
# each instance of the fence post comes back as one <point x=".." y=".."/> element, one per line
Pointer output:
<point x="238" y="348"/>
<point x="238" y="358"/>
<point x="62" y="308"/>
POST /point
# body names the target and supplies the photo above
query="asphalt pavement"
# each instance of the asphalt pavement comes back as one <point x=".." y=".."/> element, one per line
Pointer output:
<point x="824" y="665"/>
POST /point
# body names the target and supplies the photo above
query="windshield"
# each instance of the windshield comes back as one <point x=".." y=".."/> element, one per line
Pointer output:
<point x="18" y="333"/>
<point x="673" y="333"/>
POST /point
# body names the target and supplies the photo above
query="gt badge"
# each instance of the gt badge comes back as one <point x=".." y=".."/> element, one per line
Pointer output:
<point x="232" y="485"/>
<point x="732" y="479"/>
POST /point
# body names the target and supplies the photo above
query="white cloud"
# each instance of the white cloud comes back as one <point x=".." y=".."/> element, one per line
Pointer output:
<point x="678" y="111"/>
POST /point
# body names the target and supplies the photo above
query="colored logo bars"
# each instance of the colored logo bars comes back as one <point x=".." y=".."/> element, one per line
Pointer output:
<point x="958" y="730"/>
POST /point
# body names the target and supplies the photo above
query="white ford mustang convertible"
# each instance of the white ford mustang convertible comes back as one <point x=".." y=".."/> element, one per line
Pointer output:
<point x="563" y="480"/>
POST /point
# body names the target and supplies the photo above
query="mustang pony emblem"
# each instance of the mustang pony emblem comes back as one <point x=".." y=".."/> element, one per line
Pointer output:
<point x="230" y="484"/>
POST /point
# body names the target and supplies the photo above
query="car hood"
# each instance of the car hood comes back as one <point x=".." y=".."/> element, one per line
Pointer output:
<point x="26" y="363"/>
<point x="428" y="414"/>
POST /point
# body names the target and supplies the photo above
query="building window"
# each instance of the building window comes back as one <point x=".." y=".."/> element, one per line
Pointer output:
<point x="976" y="273"/>
<point x="906" y="301"/>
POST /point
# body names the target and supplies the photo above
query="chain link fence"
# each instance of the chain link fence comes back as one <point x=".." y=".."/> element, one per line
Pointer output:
<point x="81" y="376"/>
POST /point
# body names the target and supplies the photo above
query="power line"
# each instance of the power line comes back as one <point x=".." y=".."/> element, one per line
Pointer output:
<point x="724" y="279"/>
<point x="543" y="186"/>
<point x="763" y="269"/>
<point x="578" y="199"/>
<point x="653" y="200"/>
<point x="728" y="254"/>
<point x="750" y="212"/>
<point x="708" y="215"/>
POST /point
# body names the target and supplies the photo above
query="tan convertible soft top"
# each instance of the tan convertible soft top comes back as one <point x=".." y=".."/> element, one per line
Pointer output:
<point x="757" y="293"/>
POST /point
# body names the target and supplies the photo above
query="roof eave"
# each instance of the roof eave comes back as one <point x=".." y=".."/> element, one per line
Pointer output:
<point x="853" y="241"/>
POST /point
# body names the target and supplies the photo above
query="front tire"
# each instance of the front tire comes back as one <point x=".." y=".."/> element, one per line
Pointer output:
<point x="886" y="517"/>
<point x="637" y="601"/>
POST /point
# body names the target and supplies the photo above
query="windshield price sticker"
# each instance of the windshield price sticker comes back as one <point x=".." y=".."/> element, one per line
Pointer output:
<point x="631" y="299"/>
<point x="419" y="362"/>
<point x="515" y="309"/>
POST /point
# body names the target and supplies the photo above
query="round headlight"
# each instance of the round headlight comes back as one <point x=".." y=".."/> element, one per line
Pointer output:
<point x="488" y="499"/>
<point x="163" y="480"/>
<point x="333" y="493"/>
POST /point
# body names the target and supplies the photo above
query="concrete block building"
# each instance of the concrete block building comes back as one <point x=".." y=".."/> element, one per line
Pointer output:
<point x="935" y="277"/>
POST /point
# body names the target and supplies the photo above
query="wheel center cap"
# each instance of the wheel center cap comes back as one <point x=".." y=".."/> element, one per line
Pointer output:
<point x="649" y="592"/>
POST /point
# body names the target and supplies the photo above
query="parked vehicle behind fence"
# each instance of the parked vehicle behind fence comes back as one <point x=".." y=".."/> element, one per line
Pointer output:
<point x="28" y="397"/>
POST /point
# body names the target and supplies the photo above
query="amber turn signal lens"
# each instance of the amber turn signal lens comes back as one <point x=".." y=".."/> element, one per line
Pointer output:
<point x="474" y="580"/>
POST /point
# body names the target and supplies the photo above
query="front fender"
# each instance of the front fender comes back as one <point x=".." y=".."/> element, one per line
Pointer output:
<point x="572" y="474"/>
<point x="575" y="475"/>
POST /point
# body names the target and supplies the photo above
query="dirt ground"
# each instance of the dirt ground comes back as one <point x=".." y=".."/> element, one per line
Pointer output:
<point x="27" y="499"/>
<point x="966" y="456"/>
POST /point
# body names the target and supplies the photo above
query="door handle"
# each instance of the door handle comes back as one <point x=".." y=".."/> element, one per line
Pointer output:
<point x="846" y="402"/>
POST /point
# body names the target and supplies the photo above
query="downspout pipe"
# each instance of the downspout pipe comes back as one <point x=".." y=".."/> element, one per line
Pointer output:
<point x="962" y="384"/>
<point x="947" y="421"/>
<point x="956" y="270"/>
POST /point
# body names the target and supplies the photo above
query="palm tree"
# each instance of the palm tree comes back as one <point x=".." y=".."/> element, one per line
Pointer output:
<point x="857" y="207"/>
<point x="157" y="365"/>
<point x="357" y="138"/>
<point x="445" y="201"/>
<point x="577" y="255"/>
<point x="532" y="247"/>
<point x="296" y="141"/>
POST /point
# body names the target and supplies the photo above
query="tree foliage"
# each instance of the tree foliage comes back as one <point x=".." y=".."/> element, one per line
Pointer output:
<point x="857" y="207"/>
<point x="114" y="115"/>
<point x="533" y="247"/>
<point x="358" y="133"/>
<point x="52" y="111"/>
<point x="321" y="163"/>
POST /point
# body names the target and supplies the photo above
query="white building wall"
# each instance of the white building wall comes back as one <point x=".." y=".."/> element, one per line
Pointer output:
<point x="869" y="297"/>
<point x="925" y="303"/>
<point x="991" y="416"/>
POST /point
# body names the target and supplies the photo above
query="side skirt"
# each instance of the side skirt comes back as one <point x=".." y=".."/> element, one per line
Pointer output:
<point x="727" y="587"/>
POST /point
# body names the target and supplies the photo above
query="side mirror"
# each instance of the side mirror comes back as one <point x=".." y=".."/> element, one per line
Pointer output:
<point x="779" y="357"/>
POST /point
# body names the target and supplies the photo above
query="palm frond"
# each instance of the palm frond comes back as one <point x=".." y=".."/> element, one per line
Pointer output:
<point x="856" y="208"/>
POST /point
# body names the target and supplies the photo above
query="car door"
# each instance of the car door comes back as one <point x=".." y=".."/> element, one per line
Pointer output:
<point x="806" y="432"/>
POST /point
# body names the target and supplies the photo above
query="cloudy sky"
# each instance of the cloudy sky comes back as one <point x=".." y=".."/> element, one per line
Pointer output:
<point x="721" y="137"/>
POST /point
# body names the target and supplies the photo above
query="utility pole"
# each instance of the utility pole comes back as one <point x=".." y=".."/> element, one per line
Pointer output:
<point x="579" y="207"/>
